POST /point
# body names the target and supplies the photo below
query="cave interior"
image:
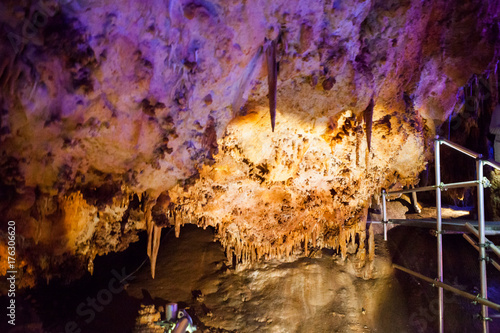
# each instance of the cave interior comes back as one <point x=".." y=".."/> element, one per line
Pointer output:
<point x="218" y="166"/>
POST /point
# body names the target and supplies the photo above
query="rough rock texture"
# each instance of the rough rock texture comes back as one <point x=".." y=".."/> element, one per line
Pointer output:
<point x="146" y="319"/>
<point x="310" y="184"/>
<point x="107" y="105"/>
<point x="319" y="293"/>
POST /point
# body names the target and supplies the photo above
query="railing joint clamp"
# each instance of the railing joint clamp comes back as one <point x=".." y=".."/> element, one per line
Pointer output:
<point x="480" y="316"/>
<point x="487" y="259"/>
<point x="485" y="245"/>
<point x="437" y="233"/>
<point x="486" y="183"/>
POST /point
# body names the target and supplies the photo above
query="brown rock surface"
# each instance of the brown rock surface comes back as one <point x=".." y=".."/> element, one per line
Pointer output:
<point x="105" y="105"/>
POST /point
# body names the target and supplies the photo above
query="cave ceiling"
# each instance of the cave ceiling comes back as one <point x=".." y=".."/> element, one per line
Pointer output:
<point x="124" y="116"/>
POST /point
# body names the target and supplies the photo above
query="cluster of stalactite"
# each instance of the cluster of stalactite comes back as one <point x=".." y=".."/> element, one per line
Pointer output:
<point x="306" y="243"/>
<point x="267" y="197"/>
<point x="110" y="107"/>
<point x="304" y="189"/>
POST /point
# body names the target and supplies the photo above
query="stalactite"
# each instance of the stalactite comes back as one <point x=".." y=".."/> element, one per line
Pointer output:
<point x="153" y="233"/>
<point x="362" y="235"/>
<point x="149" y="227"/>
<point x="272" y="79"/>
<point x="371" y="243"/>
<point x="155" y="247"/>
<point x="335" y="243"/>
<point x="306" y="244"/>
<point x="358" y="147"/>
<point x="90" y="266"/>
<point x="343" y="244"/>
<point x="177" y="225"/>
<point x="378" y="197"/>
<point x="348" y="239"/>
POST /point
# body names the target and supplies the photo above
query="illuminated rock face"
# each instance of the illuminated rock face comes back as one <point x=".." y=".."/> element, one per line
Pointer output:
<point x="306" y="184"/>
<point x="108" y="105"/>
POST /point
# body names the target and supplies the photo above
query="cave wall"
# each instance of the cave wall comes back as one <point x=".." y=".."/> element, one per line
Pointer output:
<point x="119" y="117"/>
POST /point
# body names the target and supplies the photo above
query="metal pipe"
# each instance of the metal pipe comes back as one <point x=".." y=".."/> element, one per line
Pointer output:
<point x="491" y="233"/>
<point x="460" y="184"/>
<point x="413" y="190"/>
<point x="433" y="187"/>
<point x="451" y="232"/>
<point x="415" y="203"/>
<point x="482" y="242"/>
<point x="459" y="148"/>
<point x="442" y="285"/>
<point x="492" y="164"/>
<point x="384" y="212"/>
<point x="492" y="246"/>
<point x="471" y="242"/>
<point x="438" y="233"/>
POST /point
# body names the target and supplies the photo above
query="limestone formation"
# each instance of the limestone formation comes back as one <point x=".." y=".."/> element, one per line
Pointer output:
<point x="109" y="106"/>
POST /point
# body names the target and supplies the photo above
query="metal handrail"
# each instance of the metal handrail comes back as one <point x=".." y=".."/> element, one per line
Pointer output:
<point x="492" y="164"/>
<point x="433" y="187"/>
<point x="492" y="246"/>
<point x="413" y="190"/>
<point x="481" y="182"/>
<point x="461" y="149"/>
<point x="471" y="242"/>
<point x="442" y="285"/>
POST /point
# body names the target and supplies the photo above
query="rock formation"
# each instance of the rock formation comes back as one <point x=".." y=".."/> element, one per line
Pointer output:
<point x="123" y="116"/>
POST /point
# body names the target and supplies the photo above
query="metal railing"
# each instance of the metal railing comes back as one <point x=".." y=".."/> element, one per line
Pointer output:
<point x="481" y="182"/>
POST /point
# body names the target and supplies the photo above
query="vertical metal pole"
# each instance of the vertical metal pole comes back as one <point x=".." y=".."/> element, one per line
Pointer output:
<point x="482" y="241"/>
<point x="384" y="212"/>
<point x="415" y="202"/>
<point x="439" y="234"/>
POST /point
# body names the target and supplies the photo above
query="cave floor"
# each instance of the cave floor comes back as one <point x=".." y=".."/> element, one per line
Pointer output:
<point x="320" y="293"/>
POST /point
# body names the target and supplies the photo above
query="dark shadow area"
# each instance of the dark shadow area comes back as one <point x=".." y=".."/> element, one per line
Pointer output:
<point x="97" y="303"/>
<point x="106" y="301"/>
<point x="415" y="248"/>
